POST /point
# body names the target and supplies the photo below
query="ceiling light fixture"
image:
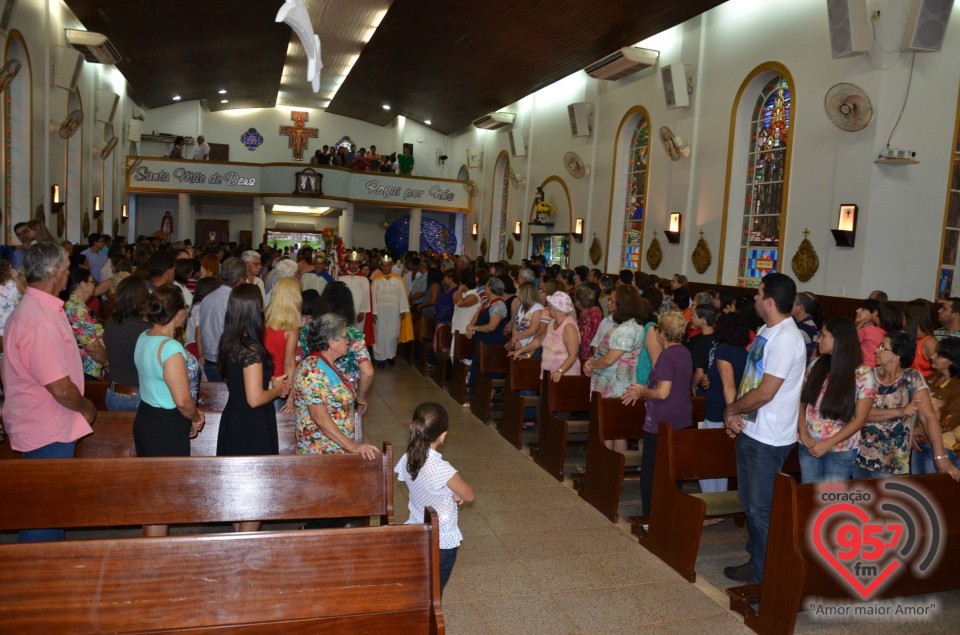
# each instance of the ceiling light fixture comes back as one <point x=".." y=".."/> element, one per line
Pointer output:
<point x="386" y="106"/>
<point x="222" y="91"/>
<point x="176" y="98"/>
<point x="300" y="209"/>
<point x="224" y="101"/>
<point x="426" y="121"/>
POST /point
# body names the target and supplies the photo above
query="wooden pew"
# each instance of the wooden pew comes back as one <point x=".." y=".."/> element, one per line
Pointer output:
<point x="361" y="580"/>
<point x="493" y="360"/>
<point x="794" y="569"/>
<point x="113" y="436"/>
<point x="444" y="342"/>
<point x="603" y="481"/>
<point x="96" y="391"/>
<point x="557" y="401"/>
<point x="522" y="374"/>
<point x="462" y="351"/>
<point x="213" y="394"/>
<point x="424" y="342"/>
<point x="112" y="492"/>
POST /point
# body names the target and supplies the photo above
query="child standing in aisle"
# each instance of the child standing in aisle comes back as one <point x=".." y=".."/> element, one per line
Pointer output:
<point x="432" y="482"/>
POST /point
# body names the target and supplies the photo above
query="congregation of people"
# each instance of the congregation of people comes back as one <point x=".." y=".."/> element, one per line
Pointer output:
<point x="863" y="396"/>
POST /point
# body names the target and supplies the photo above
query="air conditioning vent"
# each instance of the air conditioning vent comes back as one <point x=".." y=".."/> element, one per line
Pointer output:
<point x="138" y="113"/>
<point x="495" y="120"/>
<point x="622" y="63"/>
<point x="95" y="47"/>
<point x="295" y="227"/>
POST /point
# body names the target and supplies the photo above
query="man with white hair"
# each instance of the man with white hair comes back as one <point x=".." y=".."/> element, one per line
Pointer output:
<point x="252" y="259"/>
<point x="45" y="411"/>
<point x="390" y="304"/>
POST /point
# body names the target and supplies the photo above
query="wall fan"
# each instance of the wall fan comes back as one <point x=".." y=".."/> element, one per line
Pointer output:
<point x="108" y="147"/>
<point x="675" y="146"/>
<point x="848" y="107"/>
<point x="8" y="72"/>
<point x="515" y="180"/>
<point x="69" y="125"/>
<point x="471" y="187"/>
<point x="134" y="164"/>
<point x="575" y="165"/>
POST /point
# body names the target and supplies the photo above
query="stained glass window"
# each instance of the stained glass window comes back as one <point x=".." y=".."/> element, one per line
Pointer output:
<point x="504" y="199"/>
<point x="764" y="204"/>
<point x="951" y="234"/>
<point x="636" y="195"/>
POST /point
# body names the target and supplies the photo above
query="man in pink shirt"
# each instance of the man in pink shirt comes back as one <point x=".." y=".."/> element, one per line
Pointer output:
<point x="45" y="411"/>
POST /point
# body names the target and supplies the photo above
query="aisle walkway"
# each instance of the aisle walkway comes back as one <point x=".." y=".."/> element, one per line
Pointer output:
<point x="538" y="559"/>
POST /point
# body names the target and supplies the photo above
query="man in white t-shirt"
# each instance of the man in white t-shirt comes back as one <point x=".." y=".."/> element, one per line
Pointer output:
<point x="202" y="153"/>
<point x="765" y="414"/>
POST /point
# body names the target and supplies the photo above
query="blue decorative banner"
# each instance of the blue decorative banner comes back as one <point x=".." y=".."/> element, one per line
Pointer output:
<point x="434" y="236"/>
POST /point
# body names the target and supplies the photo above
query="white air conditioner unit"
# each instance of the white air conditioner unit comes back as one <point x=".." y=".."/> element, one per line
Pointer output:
<point x="138" y="113"/>
<point x="134" y="130"/>
<point x="67" y="69"/>
<point x="627" y="60"/>
<point x="495" y="120"/>
<point x="106" y="105"/>
<point x="96" y="48"/>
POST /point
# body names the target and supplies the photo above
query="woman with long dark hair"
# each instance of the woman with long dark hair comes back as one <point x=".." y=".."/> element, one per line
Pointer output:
<point x="248" y="425"/>
<point x="834" y="404"/>
<point x="120" y="335"/>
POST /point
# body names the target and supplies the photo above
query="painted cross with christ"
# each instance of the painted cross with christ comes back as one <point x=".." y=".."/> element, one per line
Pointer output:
<point x="299" y="136"/>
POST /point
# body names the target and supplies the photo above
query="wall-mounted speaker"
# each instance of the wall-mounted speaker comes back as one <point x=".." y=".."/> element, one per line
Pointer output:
<point x="849" y="27"/>
<point x="677" y="85"/>
<point x="68" y="67"/>
<point x="926" y="25"/>
<point x="581" y="118"/>
<point x="518" y="142"/>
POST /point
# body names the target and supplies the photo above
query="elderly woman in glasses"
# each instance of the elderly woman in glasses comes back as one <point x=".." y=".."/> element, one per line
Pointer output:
<point x="86" y="329"/>
<point x="902" y="397"/>
<point x="560" y="340"/>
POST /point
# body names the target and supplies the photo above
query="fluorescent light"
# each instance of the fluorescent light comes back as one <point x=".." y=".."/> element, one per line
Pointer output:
<point x="300" y="209"/>
<point x="378" y="17"/>
<point x="386" y="106"/>
<point x="176" y="98"/>
<point x="426" y="121"/>
<point x="224" y="101"/>
<point x="222" y="91"/>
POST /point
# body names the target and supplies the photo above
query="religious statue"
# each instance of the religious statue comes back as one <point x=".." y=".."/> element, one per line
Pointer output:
<point x="166" y="226"/>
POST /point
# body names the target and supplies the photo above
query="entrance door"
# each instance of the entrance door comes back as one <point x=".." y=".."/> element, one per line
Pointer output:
<point x="212" y="231"/>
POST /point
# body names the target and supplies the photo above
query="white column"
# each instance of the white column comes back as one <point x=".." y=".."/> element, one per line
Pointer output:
<point x="259" y="221"/>
<point x="346" y="226"/>
<point x="131" y="225"/>
<point x="184" y="226"/>
<point x="416" y="216"/>
<point x="460" y="231"/>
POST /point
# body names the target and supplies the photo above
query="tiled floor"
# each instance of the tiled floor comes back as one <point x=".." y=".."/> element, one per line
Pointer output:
<point x="538" y="559"/>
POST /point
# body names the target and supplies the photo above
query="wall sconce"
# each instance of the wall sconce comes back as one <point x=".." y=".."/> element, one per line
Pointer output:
<point x="97" y="208"/>
<point x="846" y="230"/>
<point x="474" y="231"/>
<point x="578" y="230"/>
<point x="517" y="228"/>
<point x="124" y="214"/>
<point x="56" y="205"/>
<point x="673" y="234"/>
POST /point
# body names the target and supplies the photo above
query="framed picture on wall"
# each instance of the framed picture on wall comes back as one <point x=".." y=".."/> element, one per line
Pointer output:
<point x="310" y="182"/>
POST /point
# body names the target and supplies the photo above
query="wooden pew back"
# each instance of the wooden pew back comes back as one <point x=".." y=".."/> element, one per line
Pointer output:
<point x="557" y="400"/>
<point x="444" y="342"/>
<point x="610" y="419"/>
<point x="187" y="490"/>
<point x="374" y="579"/>
<point x="462" y="352"/>
<point x="522" y="374"/>
<point x="493" y="359"/>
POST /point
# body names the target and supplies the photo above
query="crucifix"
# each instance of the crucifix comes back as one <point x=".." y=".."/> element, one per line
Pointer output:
<point x="299" y="135"/>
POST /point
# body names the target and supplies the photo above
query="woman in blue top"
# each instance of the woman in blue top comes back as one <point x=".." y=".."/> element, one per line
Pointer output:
<point x="168" y="416"/>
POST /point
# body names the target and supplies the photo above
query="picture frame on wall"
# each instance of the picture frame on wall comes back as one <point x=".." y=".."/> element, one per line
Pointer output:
<point x="308" y="182"/>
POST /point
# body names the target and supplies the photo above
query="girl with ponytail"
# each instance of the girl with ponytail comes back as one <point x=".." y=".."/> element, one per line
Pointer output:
<point x="432" y="482"/>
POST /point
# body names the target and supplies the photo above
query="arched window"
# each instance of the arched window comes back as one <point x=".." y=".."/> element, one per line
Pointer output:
<point x="951" y="224"/>
<point x="17" y="146"/>
<point x="107" y="181"/>
<point x="636" y="195"/>
<point x="764" y="200"/>
<point x="74" y="175"/>
<point x="501" y="201"/>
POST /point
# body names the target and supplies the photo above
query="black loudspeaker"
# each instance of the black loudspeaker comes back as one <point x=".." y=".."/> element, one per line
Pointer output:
<point x="926" y="25"/>
<point x="849" y="29"/>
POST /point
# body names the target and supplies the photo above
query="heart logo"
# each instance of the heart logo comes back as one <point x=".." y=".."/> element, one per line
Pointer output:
<point x="855" y="548"/>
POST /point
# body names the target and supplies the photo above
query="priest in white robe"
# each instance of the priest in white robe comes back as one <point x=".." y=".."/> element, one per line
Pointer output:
<point x="390" y="304"/>
<point x="360" y="289"/>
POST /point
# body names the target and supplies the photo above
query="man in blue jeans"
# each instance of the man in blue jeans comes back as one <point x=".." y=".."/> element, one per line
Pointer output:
<point x="765" y="414"/>
<point x="45" y="411"/>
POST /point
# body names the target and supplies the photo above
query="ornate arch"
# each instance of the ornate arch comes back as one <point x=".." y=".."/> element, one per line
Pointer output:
<point x="566" y="191"/>
<point x="626" y="186"/>
<point x="17" y="194"/>
<point x="747" y="118"/>
<point x="500" y="202"/>
<point x="73" y="190"/>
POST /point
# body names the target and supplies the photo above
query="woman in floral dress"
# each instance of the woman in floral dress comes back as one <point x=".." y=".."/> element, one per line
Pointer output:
<point x="87" y="331"/>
